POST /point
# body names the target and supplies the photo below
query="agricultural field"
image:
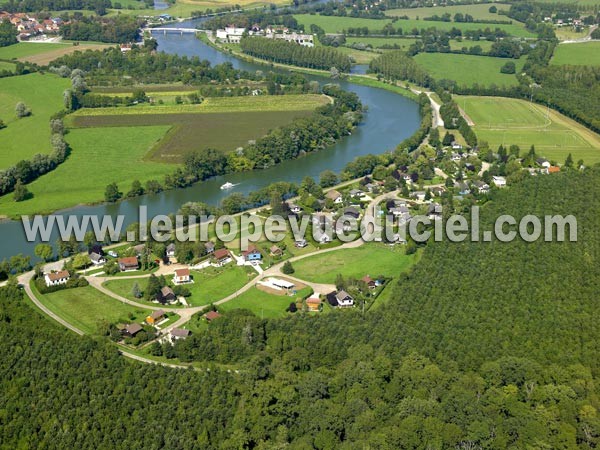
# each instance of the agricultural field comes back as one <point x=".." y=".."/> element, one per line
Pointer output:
<point x="468" y="69"/>
<point x="214" y="283"/>
<point x="195" y="131"/>
<point x="511" y="121"/>
<point x="479" y="12"/>
<point x="43" y="95"/>
<point x="99" y="157"/>
<point x="43" y="53"/>
<point x="358" y="56"/>
<point x="581" y="54"/>
<point x="338" y="24"/>
<point x="7" y="66"/>
<point x="86" y="307"/>
<point x="370" y="259"/>
<point x="185" y="8"/>
<point x="486" y="46"/>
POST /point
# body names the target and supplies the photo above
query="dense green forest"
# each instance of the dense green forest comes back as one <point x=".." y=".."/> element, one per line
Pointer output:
<point x="451" y="361"/>
<point x="291" y="53"/>
<point x="121" y="29"/>
<point x="55" y="5"/>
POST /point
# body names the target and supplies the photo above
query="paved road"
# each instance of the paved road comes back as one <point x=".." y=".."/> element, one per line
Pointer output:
<point x="25" y="279"/>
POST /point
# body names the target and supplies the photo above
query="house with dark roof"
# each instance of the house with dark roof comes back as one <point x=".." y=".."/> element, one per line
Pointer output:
<point x="171" y="250"/>
<point x="179" y="333"/>
<point x="351" y="212"/>
<point x="209" y="247"/>
<point x="344" y="300"/>
<point x="132" y="329"/>
<point x="97" y="259"/>
<point x="166" y="295"/>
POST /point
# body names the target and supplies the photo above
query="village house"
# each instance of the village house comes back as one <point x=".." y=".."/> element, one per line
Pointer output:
<point x="418" y="195"/>
<point x="294" y="208"/>
<point x="482" y="187"/>
<point x="370" y="282"/>
<point x="434" y="211"/>
<point x="128" y="264"/>
<point x="209" y="247"/>
<point x="211" y="315"/>
<point x="499" y="181"/>
<point x="344" y="300"/>
<point x="179" y="333"/>
<point x="334" y="196"/>
<point x="97" y="259"/>
<point x="462" y="188"/>
<point x="313" y="303"/>
<point x="155" y="317"/>
<point x="553" y="169"/>
<point x="182" y="276"/>
<point x="275" y="251"/>
<point x="252" y="254"/>
<point x="438" y="191"/>
<point x="305" y="40"/>
<point x="351" y="212"/>
<point x="543" y="162"/>
<point x="230" y="34"/>
<point x="57" y="278"/>
<point x="132" y="330"/>
<point x="222" y="256"/>
<point x="170" y="250"/>
<point x="355" y="193"/>
<point x="139" y="249"/>
<point x="301" y="243"/>
<point x="166" y="295"/>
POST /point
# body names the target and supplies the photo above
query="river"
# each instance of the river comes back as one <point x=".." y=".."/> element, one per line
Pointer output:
<point x="390" y="119"/>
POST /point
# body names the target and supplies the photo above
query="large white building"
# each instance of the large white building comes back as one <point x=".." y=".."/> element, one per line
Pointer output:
<point x="306" y="40"/>
<point x="232" y="35"/>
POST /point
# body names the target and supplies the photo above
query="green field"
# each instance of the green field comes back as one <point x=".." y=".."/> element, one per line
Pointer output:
<point x="581" y="54"/>
<point x="339" y="24"/>
<point x="261" y="303"/>
<point x="468" y="69"/>
<point x="195" y="131"/>
<point x="510" y="121"/>
<point x="369" y="259"/>
<point x="23" y="138"/>
<point x="479" y="12"/>
<point x="7" y="66"/>
<point x="43" y="53"/>
<point x="99" y="157"/>
<point x="214" y="283"/>
<point x="86" y="307"/>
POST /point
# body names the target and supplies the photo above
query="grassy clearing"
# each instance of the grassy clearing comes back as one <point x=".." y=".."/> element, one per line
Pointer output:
<point x="370" y="259"/>
<point x="7" y="66"/>
<point x="468" y="69"/>
<point x="582" y="54"/>
<point x="43" y="53"/>
<point x="479" y="12"/>
<point x="194" y="131"/>
<point x="511" y="121"/>
<point x="86" y="307"/>
<point x="214" y="283"/>
<point x="405" y="43"/>
<point x="99" y="157"/>
<point x="358" y="56"/>
<point x="339" y="24"/>
<point x="23" y="138"/>
<point x="261" y="303"/>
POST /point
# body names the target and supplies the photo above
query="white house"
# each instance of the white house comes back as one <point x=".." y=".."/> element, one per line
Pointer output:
<point x="334" y="195"/>
<point x="344" y="299"/>
<point x="182" y="276"/>
<point x="499" y="181"/>
<point x="231" y="34"/>
<point x="97" y="259"/>
<point x="57" y="278"/>
<point x="171" y="250"/>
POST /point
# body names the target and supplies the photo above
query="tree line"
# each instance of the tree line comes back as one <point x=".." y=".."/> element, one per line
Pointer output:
<point x="283" y="52"/>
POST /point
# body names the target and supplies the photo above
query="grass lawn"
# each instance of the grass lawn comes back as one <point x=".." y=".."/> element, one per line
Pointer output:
<point x="43" y="53"/>
<point x="467" y="69"/>
<point x="339" y="24"/>
<point x="368" y="259"/>
<point x="23" y="138"/>
<point x="99" y="157"/>
<point x="7" y="66"/>
<point x="582" y="54"/>
<point x="358" y="56"/>
<point x="214" y="283"/>
<point x="261" y="303"/>
<point x="86" y="307"/>
<point x="511" y="121"/>
<point x="479" y="12"/>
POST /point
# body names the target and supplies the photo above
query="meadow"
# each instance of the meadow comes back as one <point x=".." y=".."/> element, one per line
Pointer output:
<point x="185" y="8"/>
<point x="337" y="24"/>
<point x="369" y="259"/>
<point x="43" y="53"/>
<point x="511" y="121"/>
<point x="468" y="69"/>
<point x="87" y="307"/>
<point x="405" y="43"/>
<point x="479" y="12"/>
<point x="580" y="54"/>
<point x="43" y="95"/>
<point x="99" y="157"/>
